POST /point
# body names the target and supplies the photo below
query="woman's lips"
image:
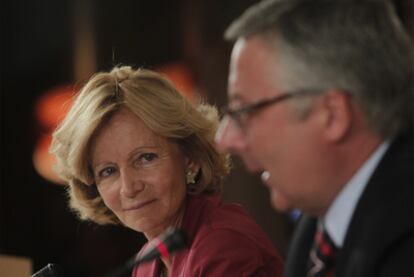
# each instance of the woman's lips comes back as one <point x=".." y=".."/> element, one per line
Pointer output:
<point x="140" y="205"/>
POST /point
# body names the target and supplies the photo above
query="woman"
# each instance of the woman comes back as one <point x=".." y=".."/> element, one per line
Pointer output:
<point x="135" y="152"/>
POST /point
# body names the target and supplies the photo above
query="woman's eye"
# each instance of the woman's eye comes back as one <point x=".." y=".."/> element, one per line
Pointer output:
<point x="147" y="157"/>
<point x="106" y="172"/>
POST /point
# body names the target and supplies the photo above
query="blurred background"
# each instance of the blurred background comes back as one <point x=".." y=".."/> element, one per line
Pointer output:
<point x="48" y="49"/>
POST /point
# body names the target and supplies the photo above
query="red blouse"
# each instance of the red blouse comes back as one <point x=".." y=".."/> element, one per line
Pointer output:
<point x="223" y="241"/>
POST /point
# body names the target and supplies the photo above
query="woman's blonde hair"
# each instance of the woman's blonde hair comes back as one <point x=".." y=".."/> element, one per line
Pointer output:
<point x="160" y="106"/>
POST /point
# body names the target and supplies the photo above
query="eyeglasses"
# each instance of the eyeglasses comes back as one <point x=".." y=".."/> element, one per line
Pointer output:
<point x="242" y="114"/>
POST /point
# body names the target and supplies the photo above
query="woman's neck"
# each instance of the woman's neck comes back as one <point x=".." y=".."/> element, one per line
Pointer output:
<point x="174" y="222"/>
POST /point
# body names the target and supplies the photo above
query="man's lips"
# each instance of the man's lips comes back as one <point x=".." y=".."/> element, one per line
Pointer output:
<point x="265" y="176"/>
<point x="139" y="205"/>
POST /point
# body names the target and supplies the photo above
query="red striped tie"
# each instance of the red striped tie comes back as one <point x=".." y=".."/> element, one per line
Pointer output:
<point x="322" y="256"/>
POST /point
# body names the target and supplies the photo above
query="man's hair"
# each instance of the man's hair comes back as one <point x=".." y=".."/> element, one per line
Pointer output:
<point x="356" y="46"/>
<point x="154" y="100"/>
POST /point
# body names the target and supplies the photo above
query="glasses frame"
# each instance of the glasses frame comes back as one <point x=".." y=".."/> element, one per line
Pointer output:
<point x="241" y="114"/>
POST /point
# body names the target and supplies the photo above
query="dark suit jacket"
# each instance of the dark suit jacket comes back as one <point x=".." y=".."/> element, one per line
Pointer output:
<point x="380" y="238"/>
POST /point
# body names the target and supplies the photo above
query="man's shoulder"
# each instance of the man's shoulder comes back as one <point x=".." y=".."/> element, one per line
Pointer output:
<point x="384" y="216"/>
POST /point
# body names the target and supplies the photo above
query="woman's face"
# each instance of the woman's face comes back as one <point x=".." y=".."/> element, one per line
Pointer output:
<point x="140" y="175"/>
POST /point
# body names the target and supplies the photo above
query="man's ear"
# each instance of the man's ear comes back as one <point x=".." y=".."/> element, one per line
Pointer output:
<point x="337" y="115"/>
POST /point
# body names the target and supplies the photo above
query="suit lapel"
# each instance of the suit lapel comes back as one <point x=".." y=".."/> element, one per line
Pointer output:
<point x="298" y="254"/>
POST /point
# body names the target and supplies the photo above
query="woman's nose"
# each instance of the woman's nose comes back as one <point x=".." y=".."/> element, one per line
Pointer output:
<point x="131" y="184"/>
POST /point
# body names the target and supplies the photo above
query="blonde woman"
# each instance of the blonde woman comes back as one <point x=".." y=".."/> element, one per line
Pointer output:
<point x="135" y="152"/>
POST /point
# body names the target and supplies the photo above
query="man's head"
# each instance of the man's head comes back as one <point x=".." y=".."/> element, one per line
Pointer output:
<point x="333" y="79"/>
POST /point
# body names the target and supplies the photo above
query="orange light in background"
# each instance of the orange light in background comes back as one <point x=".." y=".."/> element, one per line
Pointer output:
<point x="51" y="108"/>
<point x="53" y="105"/>
<point x="181" y="77"/>
<point x="43" y="161"/>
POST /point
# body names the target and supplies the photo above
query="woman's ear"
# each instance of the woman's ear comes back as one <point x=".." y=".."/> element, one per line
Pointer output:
<point x="190" y="163"/>
<point x="192" y="169"/>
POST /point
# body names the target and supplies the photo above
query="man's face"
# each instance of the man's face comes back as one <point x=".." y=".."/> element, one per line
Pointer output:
<point x="273" y="137"/>
<point x="229" y="138"/>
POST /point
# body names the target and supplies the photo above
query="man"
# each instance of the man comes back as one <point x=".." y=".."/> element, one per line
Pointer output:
<point x="321" y="98"/>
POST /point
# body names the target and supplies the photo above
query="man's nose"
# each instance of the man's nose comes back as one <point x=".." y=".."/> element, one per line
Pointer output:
<point x="229" y="137"/>
<point x="131" y="184"/>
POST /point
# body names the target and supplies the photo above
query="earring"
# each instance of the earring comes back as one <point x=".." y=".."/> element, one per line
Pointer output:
<point x="190" y="177"/>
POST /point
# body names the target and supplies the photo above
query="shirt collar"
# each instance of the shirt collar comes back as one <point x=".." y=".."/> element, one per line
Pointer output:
<point x="339" y="214"/>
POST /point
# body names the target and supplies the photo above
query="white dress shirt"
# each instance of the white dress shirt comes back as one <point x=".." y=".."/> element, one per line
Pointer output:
<point x="339" y="214"/>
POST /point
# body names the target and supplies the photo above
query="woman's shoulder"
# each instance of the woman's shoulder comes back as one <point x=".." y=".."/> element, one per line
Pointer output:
<point x="227" y="223"/>
<point x="217" y="215"/>
<point x="226" y="240"/>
